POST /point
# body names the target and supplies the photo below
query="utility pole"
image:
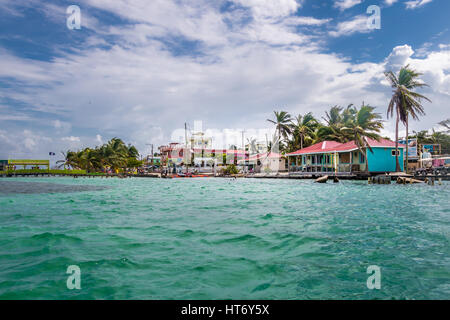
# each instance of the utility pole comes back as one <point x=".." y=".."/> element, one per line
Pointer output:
<point x="243" y="147"/>
<point x="186" y="141"/>
<point x="151" y="144"/>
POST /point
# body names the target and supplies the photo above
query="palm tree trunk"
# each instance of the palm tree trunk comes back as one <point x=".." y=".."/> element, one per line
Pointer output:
<point x="407" y="143"/>
<point x="301" y="141"/>
<point x="397" y="164"/>
<point x="367" y="162"/>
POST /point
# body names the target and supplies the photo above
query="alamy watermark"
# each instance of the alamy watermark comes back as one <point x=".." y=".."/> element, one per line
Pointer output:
<point x="374" y="21"/>
<point x="374" y="280"/>
<point x="74" y="19"/>
<point x="74" y="280"/>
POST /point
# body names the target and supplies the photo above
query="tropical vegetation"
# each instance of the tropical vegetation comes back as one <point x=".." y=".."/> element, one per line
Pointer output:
<point x="114" y="155"/>
<point x="340" y="124"/>
<point x="405" y="102"/>
<point x="343" y="124"/>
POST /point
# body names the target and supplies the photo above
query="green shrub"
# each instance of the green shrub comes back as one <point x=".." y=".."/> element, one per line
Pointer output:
<point x="231" y="169"/>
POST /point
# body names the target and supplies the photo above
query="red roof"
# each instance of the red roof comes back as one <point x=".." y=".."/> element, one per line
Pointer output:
<point x="333" y="146"/>
<point x="321" y="147"/>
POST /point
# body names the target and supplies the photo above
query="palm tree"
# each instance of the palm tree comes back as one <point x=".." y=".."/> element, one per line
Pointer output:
<point x="118" y="153"/>
<point x="303" y="128"/>
<point x="132" y="152"/>
<point x="90" y="159"/>
<point x="114" y="154"/>
<point x="366" y="124"/>
<point x="71" y="159"/>
<point x="282" y="122"/>
<point x="446" y="124"/>
<point x="336" y="119"/>
<point x="405" y="102"/>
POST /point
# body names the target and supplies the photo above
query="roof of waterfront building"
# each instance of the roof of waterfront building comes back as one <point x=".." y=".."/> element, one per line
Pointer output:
<point x="334" y="146"/>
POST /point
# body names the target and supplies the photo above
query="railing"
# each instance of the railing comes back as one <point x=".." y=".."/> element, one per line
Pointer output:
<point x="345" y="168"/>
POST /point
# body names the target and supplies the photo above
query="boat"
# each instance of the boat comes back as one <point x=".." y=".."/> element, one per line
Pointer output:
<point x="323" y="179"/>
<point x="191" y="175"/>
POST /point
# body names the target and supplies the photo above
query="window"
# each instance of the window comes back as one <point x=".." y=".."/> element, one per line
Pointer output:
<point x="362" y="159"/>
<point x="344" y="157"/>
<point x="394" y="153"/>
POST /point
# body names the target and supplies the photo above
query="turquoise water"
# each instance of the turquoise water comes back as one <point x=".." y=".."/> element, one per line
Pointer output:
<point x="222" y="239"/>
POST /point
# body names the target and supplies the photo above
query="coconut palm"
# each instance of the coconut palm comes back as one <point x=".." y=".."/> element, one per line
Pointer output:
<point x="114" y="154"/>
<point x="336" y="119"/>
<point x="366" y="124"/>
<point x="90" y="159"/>
<point x="302" y="129"/>
<point x="405" y="102"/>
<point x="282" y="122"/>
<point x="71" y="159"/>
<point x="446" y="124"/>
<point x="132" y="152"/>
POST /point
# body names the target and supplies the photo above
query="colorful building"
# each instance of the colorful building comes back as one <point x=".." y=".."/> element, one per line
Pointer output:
<point x="265" y="162"/>
<point x="177" y="154"/>
<point x="335" y="157"/>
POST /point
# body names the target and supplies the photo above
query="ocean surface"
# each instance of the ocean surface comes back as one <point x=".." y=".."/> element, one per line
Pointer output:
<point x="222" y="239"/>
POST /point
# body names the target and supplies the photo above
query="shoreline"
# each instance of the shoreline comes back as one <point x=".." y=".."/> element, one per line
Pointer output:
<point x="311" y="176"/>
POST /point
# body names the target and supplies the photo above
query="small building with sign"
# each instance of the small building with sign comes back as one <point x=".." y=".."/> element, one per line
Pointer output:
<point x="25" y="164"/>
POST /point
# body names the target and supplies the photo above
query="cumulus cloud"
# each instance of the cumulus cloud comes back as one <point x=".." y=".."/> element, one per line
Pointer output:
<point x="399" y="57"/>
<point x="235" y="72"/>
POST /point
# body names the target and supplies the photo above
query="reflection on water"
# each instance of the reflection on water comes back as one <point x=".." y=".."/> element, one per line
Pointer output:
<point x="11" y="187"/>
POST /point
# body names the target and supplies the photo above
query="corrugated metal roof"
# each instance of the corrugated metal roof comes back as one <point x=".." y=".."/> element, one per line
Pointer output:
<point x="333" y="146"/>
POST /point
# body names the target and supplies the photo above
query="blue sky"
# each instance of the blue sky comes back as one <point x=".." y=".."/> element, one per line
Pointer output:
<point x="139" y="69"/>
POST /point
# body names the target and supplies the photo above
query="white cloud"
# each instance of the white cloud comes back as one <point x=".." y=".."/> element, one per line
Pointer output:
<point x="137" y="89"/>
<point x="424" y="50"/>
<point x="416" y="3"/>
<point x="399" y="57"/>
<point x="357" y="24"/>
<point x="346" y="4"/>
<point x="271" y="8"/>
<point x="307" y="21"/>
<point x="14" y="117"/>
<point x="71" y="139"/>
